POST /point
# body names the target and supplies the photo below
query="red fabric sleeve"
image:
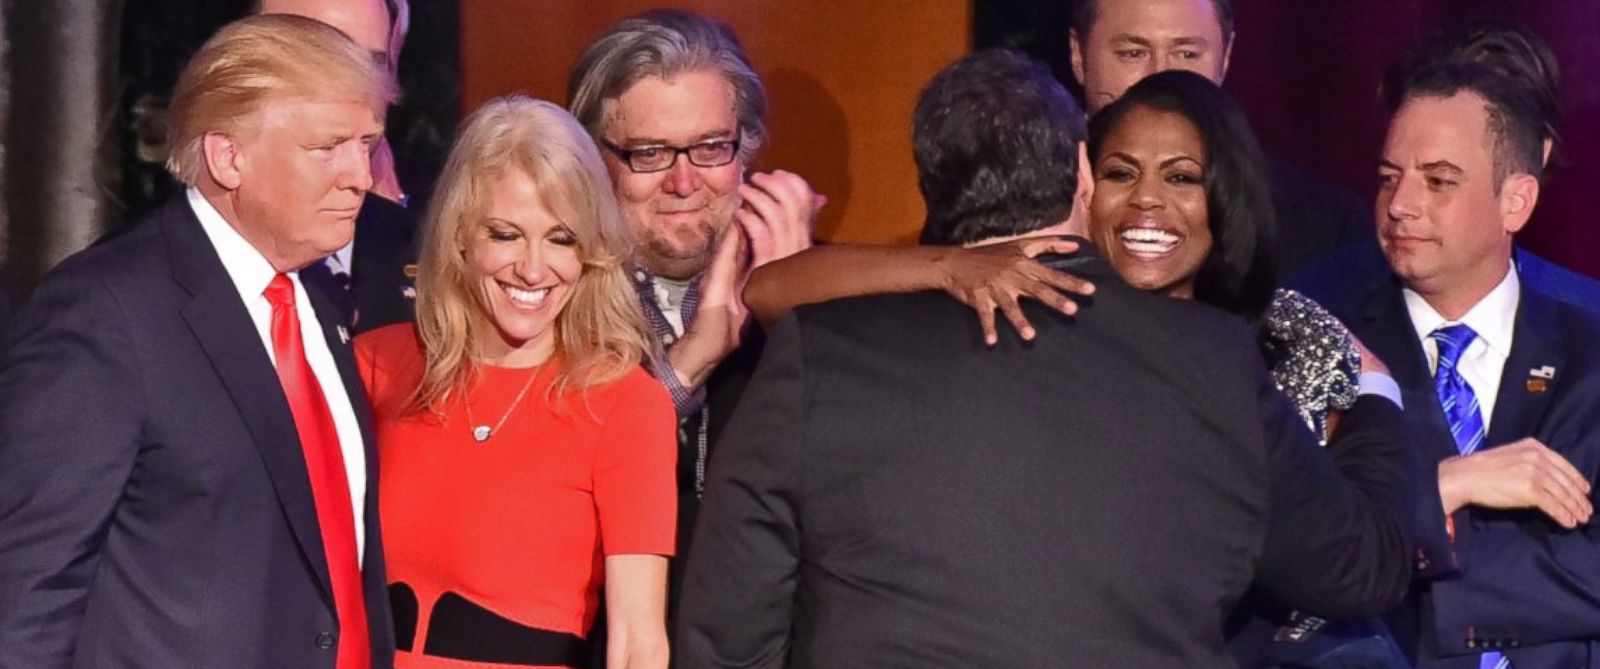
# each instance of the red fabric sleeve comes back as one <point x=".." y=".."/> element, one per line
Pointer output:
<point x="635" y="480"/>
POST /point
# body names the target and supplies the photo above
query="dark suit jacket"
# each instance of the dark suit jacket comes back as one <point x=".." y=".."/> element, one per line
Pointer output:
<point x="154" y="505"/>
<point x="384" y="246"/>
<point x="1512" y="581"/>
<point x="892" y="493"/>
<point x="1314" y="216"/>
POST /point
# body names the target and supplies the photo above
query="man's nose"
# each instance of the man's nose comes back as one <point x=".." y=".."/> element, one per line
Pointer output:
<point x="683" y="178"/>
<point x="1403" y="199"/>
<point x="356" y="172"/>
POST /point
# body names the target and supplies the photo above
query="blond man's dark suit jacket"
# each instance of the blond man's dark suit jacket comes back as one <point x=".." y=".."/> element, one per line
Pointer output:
<point x="155" y="509"/>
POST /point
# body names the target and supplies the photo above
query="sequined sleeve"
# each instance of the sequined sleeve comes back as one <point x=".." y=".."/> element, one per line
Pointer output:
<point x="1315" y="360"/>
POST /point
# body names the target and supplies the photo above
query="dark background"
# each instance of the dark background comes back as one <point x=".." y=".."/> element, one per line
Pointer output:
<point x="158" y="36"/>
<point x="1306" y="71"/>
<point x="1308" y="74"/>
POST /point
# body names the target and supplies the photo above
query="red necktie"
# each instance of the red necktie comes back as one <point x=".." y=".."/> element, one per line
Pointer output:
<point x="330" y="489"/>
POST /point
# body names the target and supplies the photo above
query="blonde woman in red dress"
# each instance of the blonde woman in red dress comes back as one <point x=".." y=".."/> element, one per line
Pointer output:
<point x="525" y="458"/>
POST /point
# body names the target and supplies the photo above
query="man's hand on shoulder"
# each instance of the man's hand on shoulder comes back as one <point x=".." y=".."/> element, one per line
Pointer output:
<point x="1524" y="474"/>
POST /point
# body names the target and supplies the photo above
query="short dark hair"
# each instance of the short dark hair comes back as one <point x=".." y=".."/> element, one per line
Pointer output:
<point x="1086" y="12"/>
<point x="996" y="139"/>
<point x="1239" y="274"/>
<point x="1510" y="50"/>
<point x="1515" y="125"/>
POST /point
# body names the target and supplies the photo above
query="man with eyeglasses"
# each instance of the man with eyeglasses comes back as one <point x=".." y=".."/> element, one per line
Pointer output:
<point x="679" y="114"/>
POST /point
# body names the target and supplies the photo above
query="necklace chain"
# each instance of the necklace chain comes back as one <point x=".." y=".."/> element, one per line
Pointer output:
<point x="481" y="433"/>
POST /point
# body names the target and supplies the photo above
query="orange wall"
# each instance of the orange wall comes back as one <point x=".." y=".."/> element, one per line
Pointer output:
<point x="843" y="76"/>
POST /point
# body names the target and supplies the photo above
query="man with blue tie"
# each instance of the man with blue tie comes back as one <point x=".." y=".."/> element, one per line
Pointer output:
<point x="1501" y="383"/>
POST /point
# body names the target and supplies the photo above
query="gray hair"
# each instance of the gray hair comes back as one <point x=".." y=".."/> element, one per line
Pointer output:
<point x="666" y="43"/>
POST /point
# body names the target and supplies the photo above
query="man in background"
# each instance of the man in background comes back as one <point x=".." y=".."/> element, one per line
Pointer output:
<point x="679" y="115"/>
<point x="1501" y="381"/>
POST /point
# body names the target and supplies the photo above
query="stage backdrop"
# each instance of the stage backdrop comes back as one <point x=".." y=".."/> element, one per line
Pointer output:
<point x="842" y="76"/>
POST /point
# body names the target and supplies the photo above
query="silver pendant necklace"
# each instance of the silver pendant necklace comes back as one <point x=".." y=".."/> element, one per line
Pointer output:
<point x="481" y="433"/>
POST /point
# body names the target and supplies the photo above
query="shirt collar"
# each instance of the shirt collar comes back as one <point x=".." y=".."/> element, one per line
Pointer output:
<point x="249" y="270"/>
<point x="1492" y="318"/>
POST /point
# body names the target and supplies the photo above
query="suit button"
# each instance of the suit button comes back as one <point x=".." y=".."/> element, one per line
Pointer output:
<point x="1515" y="643"/>
<point x="325" y="640"/>
<point x="1472" y="643"/>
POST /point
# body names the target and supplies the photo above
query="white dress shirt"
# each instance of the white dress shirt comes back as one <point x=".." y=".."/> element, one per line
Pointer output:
<point x="1484" y="360"/>
<point x="251" y="273"/>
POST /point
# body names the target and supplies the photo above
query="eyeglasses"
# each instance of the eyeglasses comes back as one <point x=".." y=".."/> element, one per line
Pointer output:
<point x="646" y="159"/>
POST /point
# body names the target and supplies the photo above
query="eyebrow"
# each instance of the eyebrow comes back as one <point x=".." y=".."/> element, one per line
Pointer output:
<point x="1178" y="159"/>
<point x="1442" y="166"/>
<point x="1121" y="156"/>
<point x="711" y="136"/>
<point x="1188" y="40"/>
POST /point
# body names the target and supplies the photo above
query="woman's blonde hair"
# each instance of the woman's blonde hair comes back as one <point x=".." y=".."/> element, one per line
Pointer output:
<point x="600" y="334"/>
<point x="261" y="58"/>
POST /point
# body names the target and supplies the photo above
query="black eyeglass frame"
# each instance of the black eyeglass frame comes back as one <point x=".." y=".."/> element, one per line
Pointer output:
<point x="627" y="154"/>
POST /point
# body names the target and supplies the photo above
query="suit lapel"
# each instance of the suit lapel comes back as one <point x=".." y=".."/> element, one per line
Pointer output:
<point x="1386" y="329"/>
<point x="1532" y="370"/>
<point x="338" y="338"/>
<point x="225" y="331"/>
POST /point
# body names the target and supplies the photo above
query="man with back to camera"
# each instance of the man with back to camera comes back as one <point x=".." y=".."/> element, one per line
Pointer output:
<point x="369" y="276"/>
<point x="1502" y="382"/>
<point x="679" y="115"/>
<point x="1115" y="43"/>
<point x="186" y="458"/>
<point x="892" y="493"/>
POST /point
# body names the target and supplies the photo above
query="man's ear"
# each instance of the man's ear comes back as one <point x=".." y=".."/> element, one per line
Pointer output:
<point x="1075" y="46"/>
<point x="1085" y="189"/>
<point x="222" y="156"/>
<point x="1519" y="193"/>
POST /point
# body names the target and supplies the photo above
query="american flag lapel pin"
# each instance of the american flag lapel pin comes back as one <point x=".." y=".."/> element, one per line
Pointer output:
<point x="1539" y="378"/>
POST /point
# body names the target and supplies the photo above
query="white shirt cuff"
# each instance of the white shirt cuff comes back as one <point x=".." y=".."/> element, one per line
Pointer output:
<point x="1380" y="384"/>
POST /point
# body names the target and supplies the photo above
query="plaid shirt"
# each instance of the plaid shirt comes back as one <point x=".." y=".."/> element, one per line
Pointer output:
<point x="693" y="415"/>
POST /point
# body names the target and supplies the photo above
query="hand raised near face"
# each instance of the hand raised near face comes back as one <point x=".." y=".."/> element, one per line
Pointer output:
<point x="778" y="215"/>
<point x="1524" y="474"/>
<point x="998" y="276"/>
<point x="720" y="317"/>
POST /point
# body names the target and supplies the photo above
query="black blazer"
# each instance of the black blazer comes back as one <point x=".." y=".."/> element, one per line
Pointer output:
<point x="1315" y="216"/>
<point x="381" y="290"/>
<point x="154" y="505"/>
<point x="892" y="493"/>
<point x="1512" y="581"/>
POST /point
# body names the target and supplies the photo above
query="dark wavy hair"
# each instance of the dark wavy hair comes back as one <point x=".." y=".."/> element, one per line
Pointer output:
<point x="995" y="137"/>
<point x="1507" y="49"/>
<point x="1239" y="274"/>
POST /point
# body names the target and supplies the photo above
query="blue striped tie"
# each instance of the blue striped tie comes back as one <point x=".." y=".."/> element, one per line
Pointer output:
<point x="1461" y="411"/>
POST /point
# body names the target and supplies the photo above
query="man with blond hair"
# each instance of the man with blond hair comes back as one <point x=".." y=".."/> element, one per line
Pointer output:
<point x="184" y="443"/>
<point x="369" y="276"/>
